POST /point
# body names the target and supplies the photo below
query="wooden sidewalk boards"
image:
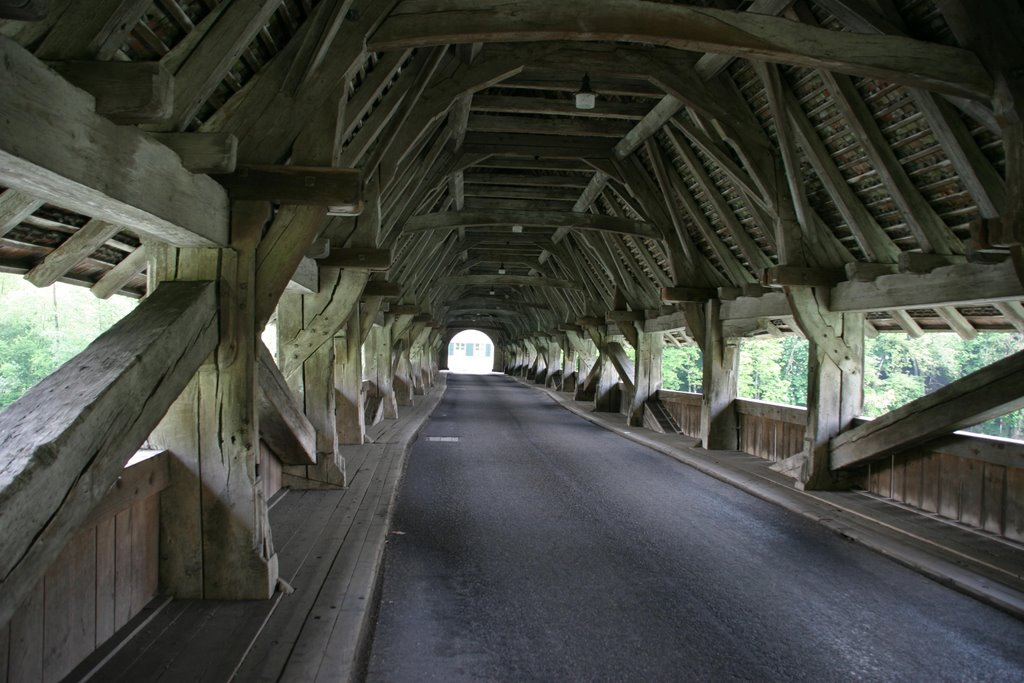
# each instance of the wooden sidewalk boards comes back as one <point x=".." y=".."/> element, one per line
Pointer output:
<point x="330" y="545"/>
<point x="986" y="567"/>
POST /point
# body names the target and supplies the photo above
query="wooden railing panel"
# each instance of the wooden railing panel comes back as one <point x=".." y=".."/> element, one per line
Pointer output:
<point x="101" y="579"/>
<point x="684" y="408"/>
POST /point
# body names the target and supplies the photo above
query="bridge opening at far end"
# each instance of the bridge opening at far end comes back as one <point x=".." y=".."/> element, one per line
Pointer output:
<point x="471" y="352"/>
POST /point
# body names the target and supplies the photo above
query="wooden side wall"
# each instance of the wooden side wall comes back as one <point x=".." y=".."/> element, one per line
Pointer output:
<point x="104" y="576"/>
<point x="976" y="480"/>
<point x="943" y="480"/>
<point x="770" y="430"/>
<point x="685" y="408"/>
<point x="270" y="471"/>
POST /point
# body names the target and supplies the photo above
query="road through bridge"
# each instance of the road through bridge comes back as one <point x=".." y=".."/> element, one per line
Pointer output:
<point x="529" y="544"/>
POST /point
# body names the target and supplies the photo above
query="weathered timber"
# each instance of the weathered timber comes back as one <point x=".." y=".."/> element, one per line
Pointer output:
<point x="80" y="245"/>
<point x="383" y="289"/>
<point x="234" y="27"/>
<point x="348" y="382"/>
<point x="957" y="285"/>
<point x="202" y="152"/>
<point x="835" y="380"/>
<point x="719" y="422"/>
<point x="282" y="424"/>
<point x="119" y="276"/>
<point x="14" y="208"/>
<point x="796" y="276"/>
<point x="66" y="440"/>
<point x="580" y="221"/>
<point x="696" y="295"/>
<point x="370" y="259"/>
<point x="125" y="92"/>
<point x="624" y="316"/>
<point x="78" y="159"/>
<point x="96" y="30"/>
<point x="990" y="392"/>
<point x="339" y="189"/>
<point x="889" y="58"/>
<point x="339" y="292"/>
<point x="506" y="280"/>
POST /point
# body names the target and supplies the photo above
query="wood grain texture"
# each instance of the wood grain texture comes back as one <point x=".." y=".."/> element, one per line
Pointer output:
<point x="80" y="160"/>
<point x="136" y="370"/>
<point x="418" y="23"/>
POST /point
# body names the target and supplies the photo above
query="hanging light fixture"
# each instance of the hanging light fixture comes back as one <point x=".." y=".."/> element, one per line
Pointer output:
<point x="585" y="97"/>
<point x="501" y="269"/>
<point x="517" y="228"/>
<point x="492" y="291"/>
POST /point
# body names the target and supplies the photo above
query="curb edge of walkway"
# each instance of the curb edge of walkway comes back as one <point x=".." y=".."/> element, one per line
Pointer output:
<point x="946" y="572"/>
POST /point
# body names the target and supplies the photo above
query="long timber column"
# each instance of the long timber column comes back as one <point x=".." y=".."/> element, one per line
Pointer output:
<point x="214" y="537"/>
<point x="719" y="429"/>
<point x="348" y="382"/>
<point x="379" y="371"/>
<point x="835" y="380"/>
<point x="647" y="378"/>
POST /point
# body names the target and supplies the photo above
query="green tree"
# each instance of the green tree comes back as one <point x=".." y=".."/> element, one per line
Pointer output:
<point x="682" y="368"/>
<point x="41" y="329"/>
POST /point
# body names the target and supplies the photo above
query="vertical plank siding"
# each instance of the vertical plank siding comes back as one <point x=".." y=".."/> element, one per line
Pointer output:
<point x="951" y="477"/>
<point x="770" y="430"/>
<point x="685" y="408"/>
<point x="103" y="577"/>
<point x="976" y="492"/>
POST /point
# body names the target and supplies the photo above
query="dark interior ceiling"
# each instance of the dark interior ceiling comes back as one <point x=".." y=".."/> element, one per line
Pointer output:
<point x="509" y="209"/>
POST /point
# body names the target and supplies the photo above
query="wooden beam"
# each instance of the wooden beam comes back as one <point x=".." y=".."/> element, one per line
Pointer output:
<point x="369" y="259"/>
<point x="492" y="123"/>
<point x="558" y="219"/>
<point x="982" y="395"/>
<point x="624" y="316"/>
<point x="14" y="208"/>
<point x="694" y="295"/>
<point x="796" y="276"/>
<point x="506" y="280"/>
<point x="957" y="285"/>
<point x="96" y="30"/>
<point x="557" y="107"/>
<point x="74" y="249"/>
<point x="25" y="10"/>
<point x="282" y="423"/>
<point x="339" y="189"/>
<point x="339" y="295"/>
<point x="889" y="58"/>
<point x="125" y="92"/>
<point x="119" y="276"/>
<point x="54" y="147"/>
<point x="383" y="289"/>
<point x="233" y="30"/>
<point x="202" y="152"/>
<point x="65" y="442"/>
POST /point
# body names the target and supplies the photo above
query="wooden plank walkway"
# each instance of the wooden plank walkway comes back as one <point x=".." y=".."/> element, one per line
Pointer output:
<point x="972" y="561"/>
<point x="329" y="544"/>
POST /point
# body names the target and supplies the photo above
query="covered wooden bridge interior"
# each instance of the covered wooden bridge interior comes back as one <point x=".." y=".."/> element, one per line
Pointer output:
<point x="374" y="176"/>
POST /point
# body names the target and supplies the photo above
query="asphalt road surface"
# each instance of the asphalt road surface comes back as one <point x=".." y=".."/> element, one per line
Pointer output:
<point x="539" y="547"/>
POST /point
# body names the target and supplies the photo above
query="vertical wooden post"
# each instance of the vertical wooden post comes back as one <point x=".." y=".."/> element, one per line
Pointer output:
<point x="215" y="537"/>
<point x="543" y="361"/>
<point x="379" y="368"/>
<point x="402" y="381"/>
<point x="313" y="385"/>
<point x="554" y="378"/>
<point x="647" y="374"/>
<point x="719" y="427"/>
<point x="835" y="381"/>
<point x="348" y="382"/>
<point x="569" y="376"/>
